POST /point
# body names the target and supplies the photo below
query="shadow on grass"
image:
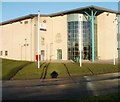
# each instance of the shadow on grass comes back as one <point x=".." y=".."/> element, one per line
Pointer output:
<point x="13" y="72"/>
<point x="44" y="71"/>
<point x="68" y="72"/>
<point x="89" y="70"/>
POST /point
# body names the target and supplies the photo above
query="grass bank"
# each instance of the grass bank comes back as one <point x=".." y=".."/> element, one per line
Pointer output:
<point x="115" y="97"/>
<point x="12" y="69"/>
<point x="64" y="70"/>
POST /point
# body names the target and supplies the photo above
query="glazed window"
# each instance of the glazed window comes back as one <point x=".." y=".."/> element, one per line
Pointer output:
<point x="21" y="22"/>
<point x="6" y="53"/>
<point x="1" y="53"/>
<point x="26" y="22"/>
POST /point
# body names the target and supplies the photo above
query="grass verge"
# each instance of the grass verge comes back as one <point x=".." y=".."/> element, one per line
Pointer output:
<point x="114" y="97"/>
<point x="28" y="70"/>
<point x="63" y="70"/>
<point x="11" y="67"/>
<point x="95" y="68"/>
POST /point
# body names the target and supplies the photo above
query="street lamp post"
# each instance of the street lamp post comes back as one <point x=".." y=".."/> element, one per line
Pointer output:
<point x="118" y="39"/>
<point x="21" y="46"/>
<point x="51" y="50"/>
<point x="114" y="45"/>
<point x="25" y="47"/>
<point x="21" y="51"/>
<point x="38" y="39"/>
<point x="80" y="45"/>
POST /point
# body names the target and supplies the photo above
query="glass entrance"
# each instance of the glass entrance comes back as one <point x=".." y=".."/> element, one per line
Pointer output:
<point x="86" y="53"/>
<point x="86" y="40"/>
<point x="59" y="54"/>
<point x="77" y="27"/>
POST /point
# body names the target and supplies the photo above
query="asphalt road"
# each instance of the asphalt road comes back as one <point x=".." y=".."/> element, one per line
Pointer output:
<point x="60" y="89"/>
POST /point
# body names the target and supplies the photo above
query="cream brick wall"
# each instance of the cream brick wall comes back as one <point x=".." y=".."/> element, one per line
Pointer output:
<point x="55" y="37"/>
<point x="13" y="40"/>
<point x="107" y="36"/>
<point x="60" y="28"/>
<point x="54" y="25"/>
<point x="47" y="35"/>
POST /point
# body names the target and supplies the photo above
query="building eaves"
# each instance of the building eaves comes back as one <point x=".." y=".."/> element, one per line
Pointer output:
<point x="78" y="10"/>
<point x="21" y="18"/>
<point x="85" y="9"/>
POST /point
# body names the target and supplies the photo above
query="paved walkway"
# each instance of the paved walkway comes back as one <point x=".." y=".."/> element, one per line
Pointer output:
<point x="63" y="88"/>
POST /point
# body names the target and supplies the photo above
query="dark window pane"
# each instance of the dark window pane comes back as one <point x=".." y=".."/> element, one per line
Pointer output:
<point x="6" y="53"/>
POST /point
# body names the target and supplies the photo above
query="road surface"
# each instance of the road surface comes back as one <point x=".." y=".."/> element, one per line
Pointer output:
<point x="71" y="88"/>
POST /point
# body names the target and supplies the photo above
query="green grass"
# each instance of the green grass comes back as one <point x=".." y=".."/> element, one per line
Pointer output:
<point x="57" y="67"/>
<point x="101" y="68"/>
<point x="114" y="97"/>
<point x="11" y="67"/>
<point x="17" y="69"/>
<point x="64" y="70"/>
<point x="76" y="70"/>
<point x="30" y="72"/>
<point x="71" y="69"/>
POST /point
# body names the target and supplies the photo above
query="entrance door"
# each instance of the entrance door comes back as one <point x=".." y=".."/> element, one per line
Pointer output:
<point x="59" y="54"/>
<point x="42" y="55"/>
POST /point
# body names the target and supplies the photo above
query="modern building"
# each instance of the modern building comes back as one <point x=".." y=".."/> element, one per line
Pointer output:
<point x="90" y="30"/>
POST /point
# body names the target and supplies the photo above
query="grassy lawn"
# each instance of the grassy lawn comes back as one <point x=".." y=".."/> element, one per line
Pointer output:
<point x="28" y="70"/>
<point x="101" y="68"/>
<point x="91" y="68"/>
<point x="76" y="70"/>
<point x="115" y="97"/>
<point x="63" y="70"/>
<point x="31" y="71"/>
<point x="11" y="67"/>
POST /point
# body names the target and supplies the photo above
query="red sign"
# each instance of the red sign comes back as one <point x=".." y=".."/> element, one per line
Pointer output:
<point x="37" y="57"/>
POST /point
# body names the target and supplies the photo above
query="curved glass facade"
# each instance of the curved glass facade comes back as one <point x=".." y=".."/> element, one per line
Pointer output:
<point x="86" y="53"/>
<point x="77" y="26"/>
<point x="73" y="40"/>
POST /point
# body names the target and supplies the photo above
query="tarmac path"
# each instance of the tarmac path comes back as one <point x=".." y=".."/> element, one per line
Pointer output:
<point x="60" y="88"/>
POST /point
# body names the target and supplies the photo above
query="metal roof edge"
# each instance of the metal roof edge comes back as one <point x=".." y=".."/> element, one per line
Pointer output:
<point x="59" y="13"/>
<point x="82" y="8"/>
<point x="21" y="18"/>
